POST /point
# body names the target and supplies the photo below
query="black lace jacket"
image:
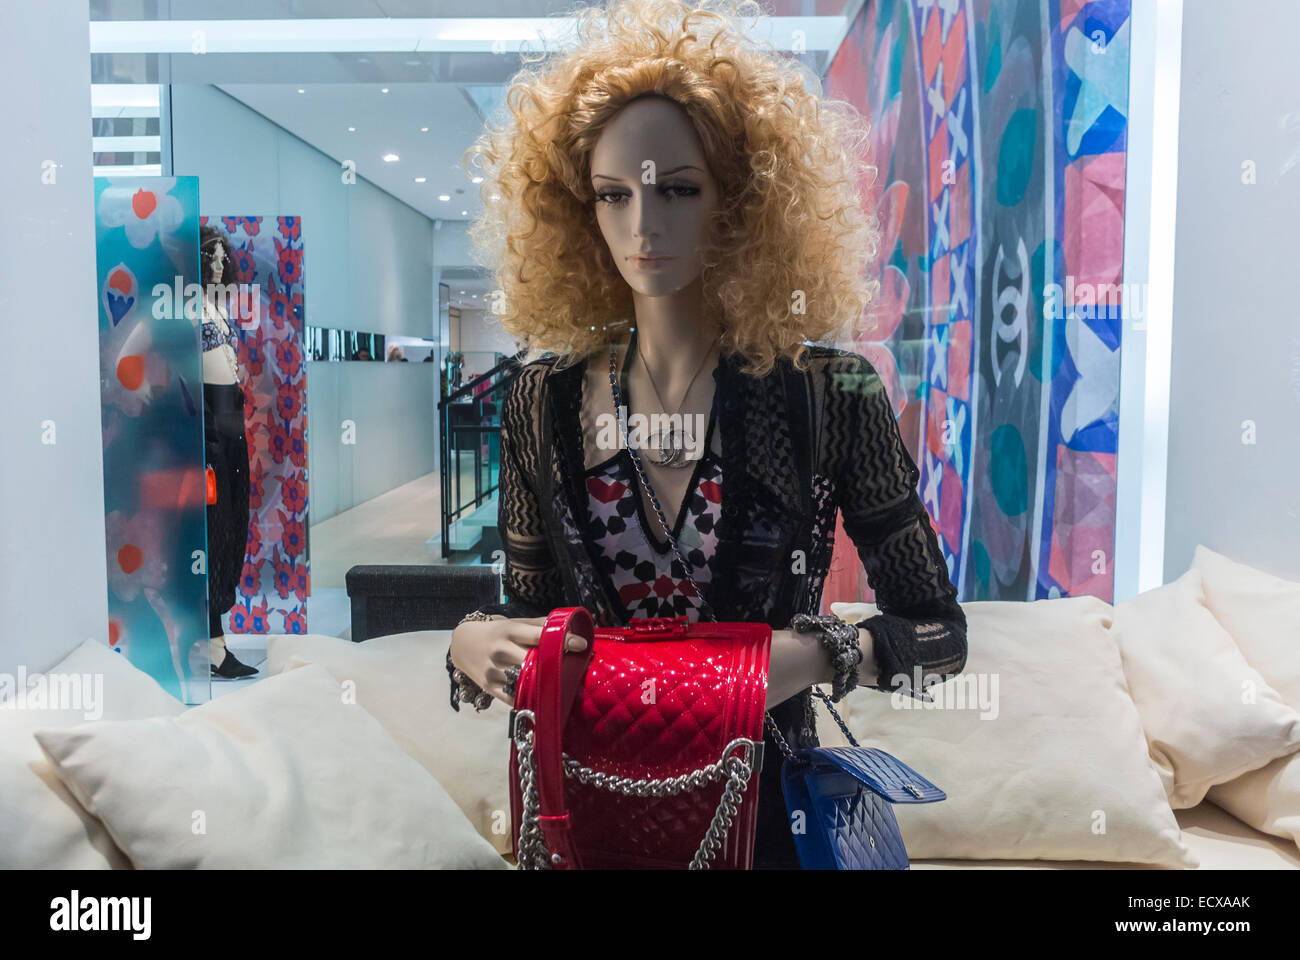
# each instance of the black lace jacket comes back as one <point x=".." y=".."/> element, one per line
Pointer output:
<point x="784" y="437"/>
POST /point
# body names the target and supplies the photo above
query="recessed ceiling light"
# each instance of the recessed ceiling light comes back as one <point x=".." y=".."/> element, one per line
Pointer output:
<point x="391" y="158"/>
<point x="464" y="213"/>
<point x="384" y="90"/>
<point x="424" y="129"/>
<point x="301" y="90"/>
<point x="444" y="197"/>
<point x="419" y="179"/>
<point x="352" y="129"/>
<point x="477" y="180"/>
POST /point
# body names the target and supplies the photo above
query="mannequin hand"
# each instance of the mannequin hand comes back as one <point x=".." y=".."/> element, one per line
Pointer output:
<point x="483" y="649"/>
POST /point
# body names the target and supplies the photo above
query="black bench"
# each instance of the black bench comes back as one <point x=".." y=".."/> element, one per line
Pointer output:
<point x="400" y="598"/>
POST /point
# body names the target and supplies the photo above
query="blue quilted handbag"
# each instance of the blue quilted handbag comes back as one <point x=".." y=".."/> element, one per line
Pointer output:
<point x="846" y="797"/>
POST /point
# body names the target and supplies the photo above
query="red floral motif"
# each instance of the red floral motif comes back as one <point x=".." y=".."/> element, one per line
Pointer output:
<point x="250" y="579"/>
<point x="293" y="495"/>
<point x="251" y="619"/>
<point x="277" y="442"/>
<point x="294" y="535"/>
<point x="283" y="578"/>
<point x="244" y="263"/>
<point x="298" y="446"/>
<point x="252" y="352"/>
<point x="254" y="542"/>
<point x="256" y="483"/>
<point x="288" y="356"/>
<point x="290" y="227"/>
<point x="290" y="263"/>
<point x="143" y="203"/>
<point x="281" y="308"/>
<point x="295" y="622"/>
<point x="288" y="402"/>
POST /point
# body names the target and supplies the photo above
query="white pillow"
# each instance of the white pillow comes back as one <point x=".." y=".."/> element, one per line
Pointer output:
<point x="42" y="826"/>
<point x="1267" y="799"/>
<point x="1262" y="612"/>
<point x="287" y="773"/>
<point x="401" y="680"/>
<point x="1059" y="770"/>
<point x="1208" y="715"/>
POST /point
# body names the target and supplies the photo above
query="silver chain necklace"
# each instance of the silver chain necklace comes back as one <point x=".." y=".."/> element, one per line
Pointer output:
<point x="672" y="451"/>
<point x="706" y="611"/>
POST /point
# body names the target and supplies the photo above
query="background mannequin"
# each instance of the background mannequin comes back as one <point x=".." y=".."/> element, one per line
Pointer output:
<point x="225" y="447"/>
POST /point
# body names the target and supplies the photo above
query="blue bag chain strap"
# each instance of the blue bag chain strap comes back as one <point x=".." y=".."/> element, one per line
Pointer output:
<point x="705" y="608"/>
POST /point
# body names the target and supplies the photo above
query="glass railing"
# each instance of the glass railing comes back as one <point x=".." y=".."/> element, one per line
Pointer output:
<point x="469" y="430"/>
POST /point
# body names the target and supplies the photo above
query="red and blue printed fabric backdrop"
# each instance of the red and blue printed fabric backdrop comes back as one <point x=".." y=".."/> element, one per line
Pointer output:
<point x="273" y="589"/>
<point x="999" y="129"/>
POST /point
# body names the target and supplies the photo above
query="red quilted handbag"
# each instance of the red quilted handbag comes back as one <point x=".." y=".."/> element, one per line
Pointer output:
<point x="642" y="751"/>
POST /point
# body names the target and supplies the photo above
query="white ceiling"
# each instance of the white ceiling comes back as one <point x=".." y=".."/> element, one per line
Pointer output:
<point x="386" y="123"/>
<point x="448" y="89"/>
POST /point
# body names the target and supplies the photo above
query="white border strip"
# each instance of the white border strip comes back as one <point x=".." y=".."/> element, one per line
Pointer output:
<point x="1150" y="212"/>
<point x="407" y="35"/>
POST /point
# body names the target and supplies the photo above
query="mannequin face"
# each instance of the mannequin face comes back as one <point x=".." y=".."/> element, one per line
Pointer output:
<point x="667" y="217"/>
<point x="218" y="261"/>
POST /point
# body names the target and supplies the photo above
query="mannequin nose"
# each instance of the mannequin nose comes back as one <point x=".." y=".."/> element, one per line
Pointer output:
<point x="645" y="219"/>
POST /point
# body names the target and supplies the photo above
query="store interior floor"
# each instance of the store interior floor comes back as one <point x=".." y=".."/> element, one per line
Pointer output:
<point x="393" y="527"/>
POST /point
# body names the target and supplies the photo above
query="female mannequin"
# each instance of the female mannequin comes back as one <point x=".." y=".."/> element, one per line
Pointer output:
<point x="226" y="449"/>
<point x="662" y="133"/>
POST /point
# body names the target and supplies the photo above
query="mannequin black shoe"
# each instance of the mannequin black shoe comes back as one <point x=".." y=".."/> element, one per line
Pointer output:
<point x="232" y="669"/>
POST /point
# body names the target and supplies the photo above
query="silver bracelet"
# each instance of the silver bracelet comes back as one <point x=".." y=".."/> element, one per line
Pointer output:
<point x="467" y="691"/>
<point x="841" y="641"/>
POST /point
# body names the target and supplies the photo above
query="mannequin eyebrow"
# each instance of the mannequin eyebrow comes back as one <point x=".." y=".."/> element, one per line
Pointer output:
<point x="664" y="173"/>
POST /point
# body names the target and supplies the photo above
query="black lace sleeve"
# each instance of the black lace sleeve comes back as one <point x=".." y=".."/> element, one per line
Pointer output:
<point x="531" y="580"/>
<point x="921" y="628"/>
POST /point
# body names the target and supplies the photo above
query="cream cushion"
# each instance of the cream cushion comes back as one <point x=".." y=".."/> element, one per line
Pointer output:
<point x="1208" y="715"/>
<point x="402" y="681"/>
<point x="42" y="826"/>
<point x="1049" y="762"/>
<point x="288" y="773"/>
<point x="1262" y="613"/>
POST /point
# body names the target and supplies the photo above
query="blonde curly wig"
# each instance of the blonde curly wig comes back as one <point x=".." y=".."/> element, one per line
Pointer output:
<point x="790" y="241"/>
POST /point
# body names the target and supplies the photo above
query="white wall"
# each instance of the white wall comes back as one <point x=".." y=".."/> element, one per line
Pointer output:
<point x="53" y="578"/>
<point x="1236" y="331"/>
<point x="368" y="261"/>
<point x="368" y="265"/>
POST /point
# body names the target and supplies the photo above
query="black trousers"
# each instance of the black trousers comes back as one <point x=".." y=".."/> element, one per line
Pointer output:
<point x="773" y="843"/>
<point x="226" y="449"/>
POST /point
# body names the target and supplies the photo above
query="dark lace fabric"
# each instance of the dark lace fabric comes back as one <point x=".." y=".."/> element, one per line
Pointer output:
<point x="796" y="446"/>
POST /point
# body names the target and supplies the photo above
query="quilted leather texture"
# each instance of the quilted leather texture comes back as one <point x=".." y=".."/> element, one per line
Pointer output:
<point x="846" y="797"/>
<point x="662" y="708"/>
<point x="882" y="772"/>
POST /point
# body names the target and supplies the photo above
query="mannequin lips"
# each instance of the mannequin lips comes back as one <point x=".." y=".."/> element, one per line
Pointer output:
<point x="650" y="261"/>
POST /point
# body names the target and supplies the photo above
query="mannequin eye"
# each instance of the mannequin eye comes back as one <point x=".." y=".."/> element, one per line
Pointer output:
<point x="672" y="191"/>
